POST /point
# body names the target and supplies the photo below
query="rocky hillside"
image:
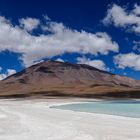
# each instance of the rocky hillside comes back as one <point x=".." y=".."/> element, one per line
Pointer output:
<point x="66" y="79"/>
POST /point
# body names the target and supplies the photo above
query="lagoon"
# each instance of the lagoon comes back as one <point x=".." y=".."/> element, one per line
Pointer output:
<point x="127" y="108"/>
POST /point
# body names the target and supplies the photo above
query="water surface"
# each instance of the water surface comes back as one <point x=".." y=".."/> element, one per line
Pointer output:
<point x="127" y="108"/>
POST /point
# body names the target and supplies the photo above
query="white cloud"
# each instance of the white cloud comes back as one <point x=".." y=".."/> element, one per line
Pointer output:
<point x="29" y="23"/>
<point x="46" y="18"/>
<point x="10" y="72"/>
<point x="121" y="17"/>
<point x="130" y="60"/>
<point x="60" y="60"/>
<point x="136" y="9"/>
<point x="136" y="45"/>
<point x="99" y="64"/>
<point x="37" y="62"/>
<point x="60" y="40"/>
<point x="2" y="76"/>
<point x="7" y="73"/>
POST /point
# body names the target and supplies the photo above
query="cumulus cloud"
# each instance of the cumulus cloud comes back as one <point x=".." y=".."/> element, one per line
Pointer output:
<point x="99" y="64"/>
<point x="58" y="41"/>
<point x="60" y="60"/>
<point x="136" y="9"/>
<point x="46" y="18"/>
<point x="130" y="60"/>
<point x="2" y="76"/>
<point x="10" y="71"/>
<point x="121" y="17"/>
<point x="29" y="23"/>
<point x="37" y="62"/>
<point x="7" y="73"/>
<point x="136" y="45"/>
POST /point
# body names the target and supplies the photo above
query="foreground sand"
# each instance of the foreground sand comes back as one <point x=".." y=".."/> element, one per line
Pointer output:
<point x="34" y="120"/>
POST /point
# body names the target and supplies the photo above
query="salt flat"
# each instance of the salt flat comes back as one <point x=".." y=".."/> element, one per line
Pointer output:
<point x="34" y="120"/>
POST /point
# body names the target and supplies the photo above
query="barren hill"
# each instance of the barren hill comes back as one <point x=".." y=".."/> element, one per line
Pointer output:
<point x="62" y="78"/>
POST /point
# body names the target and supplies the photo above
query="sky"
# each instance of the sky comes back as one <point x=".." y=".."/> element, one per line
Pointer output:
<point x="101" y="33"/>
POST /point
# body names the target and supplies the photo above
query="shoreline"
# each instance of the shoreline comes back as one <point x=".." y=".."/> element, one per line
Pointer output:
<point x="52" y="102"/>
<point x="52" y="106"/>
<point x="34" y="120"/>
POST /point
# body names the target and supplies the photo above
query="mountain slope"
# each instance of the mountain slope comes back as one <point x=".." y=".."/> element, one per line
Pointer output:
<point x="60" y="78"/>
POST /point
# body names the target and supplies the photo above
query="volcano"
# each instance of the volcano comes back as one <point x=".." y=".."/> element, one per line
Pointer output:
<point x="53" y="78"/>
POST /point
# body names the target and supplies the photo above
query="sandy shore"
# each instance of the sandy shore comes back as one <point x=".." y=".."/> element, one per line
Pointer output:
<point x="34" y="120"/>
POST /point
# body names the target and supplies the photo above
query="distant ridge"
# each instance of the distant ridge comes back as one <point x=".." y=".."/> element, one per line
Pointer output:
<point x="55" y="78"/>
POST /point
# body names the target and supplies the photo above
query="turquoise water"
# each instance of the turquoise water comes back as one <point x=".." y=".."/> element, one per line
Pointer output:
<point x="125" y="108"/>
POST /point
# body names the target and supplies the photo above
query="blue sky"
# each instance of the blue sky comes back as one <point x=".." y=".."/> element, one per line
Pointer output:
<point x="101" y="33"/>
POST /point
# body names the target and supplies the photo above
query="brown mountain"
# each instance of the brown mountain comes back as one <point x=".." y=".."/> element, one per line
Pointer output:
<point x="62" y="78"/>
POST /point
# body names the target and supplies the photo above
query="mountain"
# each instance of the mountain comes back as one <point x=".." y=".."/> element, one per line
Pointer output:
<point x="66" y="79"/>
